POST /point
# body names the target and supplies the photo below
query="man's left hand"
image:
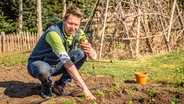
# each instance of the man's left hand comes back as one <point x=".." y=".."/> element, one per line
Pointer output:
<point x="86" y="47"/>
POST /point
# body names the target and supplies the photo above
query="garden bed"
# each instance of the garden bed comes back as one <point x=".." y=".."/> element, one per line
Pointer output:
<point x="18" y="87"/>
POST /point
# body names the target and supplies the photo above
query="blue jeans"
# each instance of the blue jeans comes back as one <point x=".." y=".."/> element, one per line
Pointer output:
<point x="36" y="68"/>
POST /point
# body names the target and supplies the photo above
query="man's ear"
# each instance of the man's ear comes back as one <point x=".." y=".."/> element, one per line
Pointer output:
<point x="64" y="20"/>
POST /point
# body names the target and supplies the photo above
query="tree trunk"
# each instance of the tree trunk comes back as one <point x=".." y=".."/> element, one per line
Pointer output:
<point x="39" y="18"/>
<point x="64" y="8"/>
<point x="20" y="17"/>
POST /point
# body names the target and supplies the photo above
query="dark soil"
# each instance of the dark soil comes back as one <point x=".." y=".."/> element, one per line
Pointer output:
<point x="18" y="87"/>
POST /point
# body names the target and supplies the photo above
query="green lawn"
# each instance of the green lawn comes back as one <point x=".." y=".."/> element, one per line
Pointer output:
<point x="165" y="68"/>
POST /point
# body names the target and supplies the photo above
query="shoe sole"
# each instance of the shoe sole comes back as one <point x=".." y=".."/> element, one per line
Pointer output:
<point x="45" y="96"/>
<point x="55" y="90"/>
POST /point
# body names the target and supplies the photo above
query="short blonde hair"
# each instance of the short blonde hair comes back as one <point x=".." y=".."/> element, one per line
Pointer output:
<point x="74" y="11"/>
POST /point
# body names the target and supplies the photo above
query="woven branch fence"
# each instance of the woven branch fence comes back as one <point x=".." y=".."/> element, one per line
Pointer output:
<point x="17" y="42"/>
<point x="130" y="28"/>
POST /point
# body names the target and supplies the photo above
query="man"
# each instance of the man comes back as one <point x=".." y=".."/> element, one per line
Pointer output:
<point x="56" y="53"/>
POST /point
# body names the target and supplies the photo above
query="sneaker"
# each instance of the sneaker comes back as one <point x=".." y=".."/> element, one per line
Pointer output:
<point x="46" y="92"/>
<point x="60" y="89"/>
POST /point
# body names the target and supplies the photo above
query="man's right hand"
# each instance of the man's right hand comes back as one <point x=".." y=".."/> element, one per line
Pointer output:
<point x="72" y="70"/>
<point x="89" y="95"/>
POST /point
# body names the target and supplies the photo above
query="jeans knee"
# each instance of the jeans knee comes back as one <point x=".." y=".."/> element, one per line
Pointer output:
<point x="44" y="72"/>
<point x="39" y="68"/>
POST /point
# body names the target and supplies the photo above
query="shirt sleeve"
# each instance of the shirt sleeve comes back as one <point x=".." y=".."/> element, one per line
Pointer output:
<point x="55" y="41"/>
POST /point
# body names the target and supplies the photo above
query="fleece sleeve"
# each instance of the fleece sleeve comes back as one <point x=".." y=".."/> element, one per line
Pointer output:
<point x="55" y="41"/>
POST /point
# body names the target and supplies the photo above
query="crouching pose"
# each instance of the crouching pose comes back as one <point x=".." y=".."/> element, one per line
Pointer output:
<point x="56" y="53"/>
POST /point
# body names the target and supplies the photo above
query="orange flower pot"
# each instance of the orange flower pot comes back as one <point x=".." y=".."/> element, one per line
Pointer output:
<point x="141" y="77"/>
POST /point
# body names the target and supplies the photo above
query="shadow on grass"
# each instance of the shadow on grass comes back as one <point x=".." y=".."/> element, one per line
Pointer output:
<point x="130" y="81"/>
<point x="17" y="89"/>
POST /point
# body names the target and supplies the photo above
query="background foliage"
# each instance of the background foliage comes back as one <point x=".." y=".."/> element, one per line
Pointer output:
<point x="51" y="13"/>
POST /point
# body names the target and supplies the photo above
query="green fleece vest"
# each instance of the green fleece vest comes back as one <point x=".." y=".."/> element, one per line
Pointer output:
<point x="43" y="51"/>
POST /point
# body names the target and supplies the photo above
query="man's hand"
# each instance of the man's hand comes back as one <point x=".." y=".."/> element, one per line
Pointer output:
<point x="76" y="76"/>
<point x="89" y="95"/>
<point x="86" y="47"/>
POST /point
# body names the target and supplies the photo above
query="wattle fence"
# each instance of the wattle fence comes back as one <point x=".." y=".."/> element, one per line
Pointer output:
<point x="17" y="41"/>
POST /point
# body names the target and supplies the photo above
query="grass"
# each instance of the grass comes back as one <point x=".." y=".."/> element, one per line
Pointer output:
<point x="16" y="58"/>
<point x="69" y="101"/>
<point x="165" y="68"/>
<point x="168" y="68"/>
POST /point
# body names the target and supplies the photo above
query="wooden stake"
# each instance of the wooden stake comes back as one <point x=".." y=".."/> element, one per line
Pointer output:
<point x="125" y="29"/>
<point x="163" y="28"/>
<point x="104" y="25"/>
<point x="138" y="34"/>
<point x="170" y="26"/>
<point x="179" y="18"/>
<point x="91" y="15"/>
<point x="144" y="29"/>
<point x="3" y="41"/>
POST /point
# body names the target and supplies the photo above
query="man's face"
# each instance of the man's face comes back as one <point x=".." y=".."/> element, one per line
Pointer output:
<point x="71" y="25"/>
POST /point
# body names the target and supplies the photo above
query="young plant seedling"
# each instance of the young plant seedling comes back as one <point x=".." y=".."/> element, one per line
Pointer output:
<point x="175" y="101"/>
<point x="82" y="97"/>
<point x="114" y="88"/>
<point x="131" y="98"/>
<point x="152" y="93"/>
<point x="52" y="100"/>
<point x="68" y="101"/>
<point x="141" y="99"/>
<point x="99" y="92"/>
